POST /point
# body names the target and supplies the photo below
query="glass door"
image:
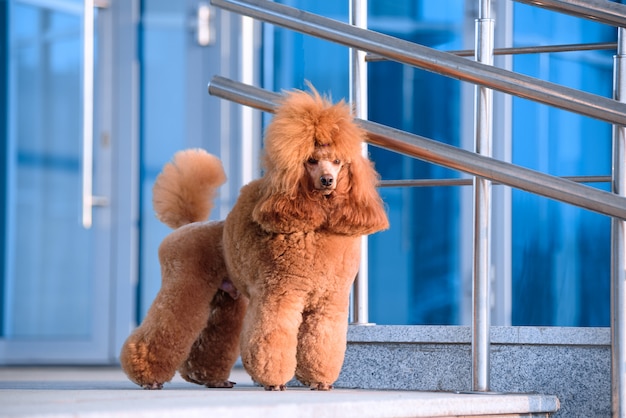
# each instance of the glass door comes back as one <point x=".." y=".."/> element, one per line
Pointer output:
<point x="177" y="112"/>
<point x="55" y="292"/>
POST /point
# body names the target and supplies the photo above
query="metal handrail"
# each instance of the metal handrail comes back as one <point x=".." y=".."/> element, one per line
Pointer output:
<point x="602" y="11"/>
<point x="447" y="155"/>
<point x="542" y="49"/>
<point x="520" y="50"/>
<point x="431" y="59"/>
<point x="470" y="182"/>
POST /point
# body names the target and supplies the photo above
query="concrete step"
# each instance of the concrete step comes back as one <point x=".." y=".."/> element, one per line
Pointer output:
<point x="105" y="392"/>
<point x="573" y="364"/>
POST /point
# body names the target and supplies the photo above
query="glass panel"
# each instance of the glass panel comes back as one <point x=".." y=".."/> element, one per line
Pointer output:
<point x="49" y="277"/>
<point x="413" y="267"/>
<point x="165" y="42"/>
<point x="561" y="259"/>
<point x="177" y="113"/>
<point x="561" y="254"/>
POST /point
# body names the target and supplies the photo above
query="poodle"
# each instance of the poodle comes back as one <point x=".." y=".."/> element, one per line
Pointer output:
<point x="275" y="276"/>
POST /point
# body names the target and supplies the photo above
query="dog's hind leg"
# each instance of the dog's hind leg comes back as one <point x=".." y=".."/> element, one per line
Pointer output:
<point x="215" y="351"/>
<point x="192" y="270"/>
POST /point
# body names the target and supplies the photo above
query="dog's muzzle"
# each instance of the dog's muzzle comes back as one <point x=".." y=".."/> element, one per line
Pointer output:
<point x="327" y="181"/>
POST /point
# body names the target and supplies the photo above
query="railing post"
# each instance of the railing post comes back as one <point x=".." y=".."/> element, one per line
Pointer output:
<point x="618" y="245"/>
<point x="358" y="98"/>
<point x="481" y="318"/>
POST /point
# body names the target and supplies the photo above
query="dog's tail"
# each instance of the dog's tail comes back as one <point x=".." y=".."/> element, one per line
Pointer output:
<point x="183" y="193"/>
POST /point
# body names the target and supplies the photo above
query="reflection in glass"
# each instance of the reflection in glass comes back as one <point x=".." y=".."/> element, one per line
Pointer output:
<point x="47" y="283"/>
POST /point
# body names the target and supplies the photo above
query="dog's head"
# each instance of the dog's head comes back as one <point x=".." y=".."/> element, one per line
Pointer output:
<point x="309" y="136"/>
<point x="315" y="170"/>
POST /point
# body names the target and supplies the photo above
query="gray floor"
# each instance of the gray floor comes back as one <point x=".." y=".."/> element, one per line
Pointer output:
<point x="105" y="392"/>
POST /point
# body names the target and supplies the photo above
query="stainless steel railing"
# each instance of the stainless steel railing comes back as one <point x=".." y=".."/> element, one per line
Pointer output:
<point x="602" y="11"/>
<point x="469" y="181"/>
<point x="447" y="155"/>
<point x="485" y="168"/>
<point x="482" y="202"/>
<point x="519" y="50"/>
<point x="618" y="244"/>
<point x="431" y="59"/>
<point x="358" y="99"/>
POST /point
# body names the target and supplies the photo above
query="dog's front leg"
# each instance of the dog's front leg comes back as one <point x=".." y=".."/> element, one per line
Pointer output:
<point x="322" y="342"/>
<point x="269" y="338"/>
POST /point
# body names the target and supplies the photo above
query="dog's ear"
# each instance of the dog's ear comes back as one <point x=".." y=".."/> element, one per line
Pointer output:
<point x="359" y="210"/>
<point x="284" y="213"/>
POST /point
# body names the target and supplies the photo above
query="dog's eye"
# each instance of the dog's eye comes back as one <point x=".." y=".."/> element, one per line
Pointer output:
<point x="312" y="161"/>
<point x="337" y="162"/>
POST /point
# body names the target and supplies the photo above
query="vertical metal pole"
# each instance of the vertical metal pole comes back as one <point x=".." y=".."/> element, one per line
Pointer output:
<point x="481" y="322"/>
<point x="88" y="86"/>
<point x="358" y="98"/>
<point x="247" y="68"/>
<point x="618" y="244"/>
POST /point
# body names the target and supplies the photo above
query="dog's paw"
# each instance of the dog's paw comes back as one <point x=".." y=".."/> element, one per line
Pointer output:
<point x="274" y="388"/>
<point x="220" y="384"/>
<point x="320" y="386"/>
<point x="152" y="386"/>
<point x="202" y="379"/>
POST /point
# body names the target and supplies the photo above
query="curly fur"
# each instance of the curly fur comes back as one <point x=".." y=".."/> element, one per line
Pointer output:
<point x="306" y="124"/>
<point x="185" y="189"/>
<point x="291" y="247"/>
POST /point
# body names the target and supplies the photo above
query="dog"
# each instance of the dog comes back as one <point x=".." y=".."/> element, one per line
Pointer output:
<point x="274" y="278"/>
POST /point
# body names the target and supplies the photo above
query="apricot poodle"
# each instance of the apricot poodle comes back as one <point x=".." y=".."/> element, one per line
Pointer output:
<point x="290" y="246"/>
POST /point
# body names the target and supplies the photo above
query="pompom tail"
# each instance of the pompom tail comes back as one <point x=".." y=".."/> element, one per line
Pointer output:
<point x="184" y="191"/>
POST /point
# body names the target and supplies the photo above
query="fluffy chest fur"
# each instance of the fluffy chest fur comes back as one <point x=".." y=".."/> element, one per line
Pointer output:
<point x="311" y="260"/>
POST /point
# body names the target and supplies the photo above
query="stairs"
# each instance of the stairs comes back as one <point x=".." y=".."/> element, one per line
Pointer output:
<point x="571" y="364"/>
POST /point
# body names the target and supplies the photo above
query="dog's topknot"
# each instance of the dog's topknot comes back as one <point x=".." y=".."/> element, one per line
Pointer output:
<point x="302" y="122"/>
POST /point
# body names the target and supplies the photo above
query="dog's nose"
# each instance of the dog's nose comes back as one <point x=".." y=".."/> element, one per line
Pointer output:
<point x="326" y="180"/>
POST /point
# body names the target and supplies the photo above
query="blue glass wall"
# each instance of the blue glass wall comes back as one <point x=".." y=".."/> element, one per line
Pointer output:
<point x="414" y="275"/>
<point x="561" y="254"/>
<point x="561" y="258"/>
<point x="48" y="265"/>
<point x="163" y="124"/>
<point x="4" y="110"/>
<point x="413" y="265"/>
<point x="301" y="57"/>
